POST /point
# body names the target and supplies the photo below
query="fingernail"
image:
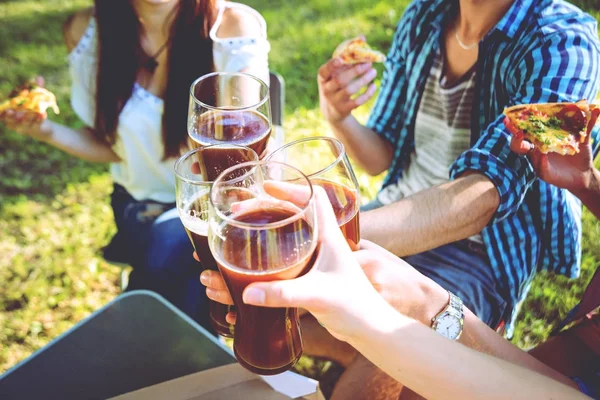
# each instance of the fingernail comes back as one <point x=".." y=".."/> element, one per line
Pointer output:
<point x="205" y="278"/>
<point x="254" y="296"/>
<point x="337" y="62"/>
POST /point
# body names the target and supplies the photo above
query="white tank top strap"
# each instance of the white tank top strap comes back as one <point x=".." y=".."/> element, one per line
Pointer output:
<point x="87" y="43"/>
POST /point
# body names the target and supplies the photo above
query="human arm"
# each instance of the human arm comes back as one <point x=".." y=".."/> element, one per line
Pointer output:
<point x="82" y="142"/>
<point x="78" y="142"/>
<point x="590" y="195"/>
<point x="437" y="368"/>
<point x="338" y="88"/>
<point x="252" y="58"/>
<point x="537" y="78"/>
<point x="339" y="295"/>
<point x="433" y="217"/>
<point x="377" y="145"/>
<point x="415" y="296"/>
<point x="418" y="297"/>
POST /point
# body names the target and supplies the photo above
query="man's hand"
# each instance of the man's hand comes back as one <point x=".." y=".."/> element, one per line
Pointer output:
<point x="339" y="85"/>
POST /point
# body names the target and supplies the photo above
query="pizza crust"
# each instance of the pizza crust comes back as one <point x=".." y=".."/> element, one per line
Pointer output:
<point x="355" y="51"/>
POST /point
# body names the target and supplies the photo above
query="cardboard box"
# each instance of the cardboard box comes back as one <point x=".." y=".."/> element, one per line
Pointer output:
<point x="230" y="382"/>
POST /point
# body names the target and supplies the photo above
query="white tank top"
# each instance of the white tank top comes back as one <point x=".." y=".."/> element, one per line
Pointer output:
<point x="139" y="132"/>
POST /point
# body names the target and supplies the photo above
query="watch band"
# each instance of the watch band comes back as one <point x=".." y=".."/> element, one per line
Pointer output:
<point x="456" y="305"/>
<point x="453" y="308"/>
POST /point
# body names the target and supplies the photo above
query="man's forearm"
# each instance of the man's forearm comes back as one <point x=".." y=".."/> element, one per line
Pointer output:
<point x="437" y="368"/>
<point x="372" y="152"/>
<point x="590" y="196"/>
<point x="433" y="217"/>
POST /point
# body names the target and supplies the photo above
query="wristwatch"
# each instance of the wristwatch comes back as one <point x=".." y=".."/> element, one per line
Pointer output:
<point x="449" y="321"/>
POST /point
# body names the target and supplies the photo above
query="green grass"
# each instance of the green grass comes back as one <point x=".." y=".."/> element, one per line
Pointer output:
<point x="54" y="210"/>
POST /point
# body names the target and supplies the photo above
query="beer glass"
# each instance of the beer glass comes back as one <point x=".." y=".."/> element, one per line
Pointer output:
<point x="194" y="173"/>
<point x="256" y="235"/>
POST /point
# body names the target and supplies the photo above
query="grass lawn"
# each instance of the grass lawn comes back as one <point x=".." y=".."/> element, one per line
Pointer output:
<point x="54" y="210"/>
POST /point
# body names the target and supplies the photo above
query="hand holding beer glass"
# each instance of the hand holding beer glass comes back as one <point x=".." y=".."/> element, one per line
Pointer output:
<point x="259" y="233"/>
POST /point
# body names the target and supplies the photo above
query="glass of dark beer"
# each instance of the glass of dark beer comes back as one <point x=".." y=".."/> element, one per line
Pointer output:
<point x="324" y="161"/>
<point x="195" y="172"/>
<point x="256" y="235"/>
<point x="230" y="107"/>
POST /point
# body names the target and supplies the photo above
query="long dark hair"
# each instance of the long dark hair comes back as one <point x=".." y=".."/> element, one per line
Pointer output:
<point x="120" y="56"/>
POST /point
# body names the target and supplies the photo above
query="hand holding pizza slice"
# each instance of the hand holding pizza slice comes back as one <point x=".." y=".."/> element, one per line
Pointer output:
<point x="25" y="110"/>
<point x="31" y="100"/>
<point x="356" y="51"/>
<point x="553" y="127"/>
<point x="571" y="169"/>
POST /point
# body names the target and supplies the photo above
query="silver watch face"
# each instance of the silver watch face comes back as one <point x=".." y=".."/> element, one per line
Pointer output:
<point x="449" y="326"/>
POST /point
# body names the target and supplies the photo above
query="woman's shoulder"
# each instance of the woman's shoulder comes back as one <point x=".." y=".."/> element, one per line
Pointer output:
<point x="239" y="20"/>
<point x="75" y="26"/>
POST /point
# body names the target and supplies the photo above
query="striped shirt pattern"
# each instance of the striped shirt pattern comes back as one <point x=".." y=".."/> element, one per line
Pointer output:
<point x="540" y="51"/>
<point x="442" y="133"/>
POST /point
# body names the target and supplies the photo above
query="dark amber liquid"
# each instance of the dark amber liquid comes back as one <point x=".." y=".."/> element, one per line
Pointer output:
<point x="345" y="206"/>
<point x="197" y="231"/>
<point x="244" y="128"/>
<point x="214" y="160"/>
<point x="267" y="341"/>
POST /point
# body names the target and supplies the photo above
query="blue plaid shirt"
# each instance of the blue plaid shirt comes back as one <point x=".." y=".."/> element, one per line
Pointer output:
<point x="540" y="51"/>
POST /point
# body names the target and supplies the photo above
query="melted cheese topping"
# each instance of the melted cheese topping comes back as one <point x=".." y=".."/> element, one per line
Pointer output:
<point x="547" y="134"/>
<point x="37" y="99"/>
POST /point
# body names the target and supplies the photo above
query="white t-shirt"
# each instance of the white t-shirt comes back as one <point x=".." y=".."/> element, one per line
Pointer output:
<point x="139" y="132"/>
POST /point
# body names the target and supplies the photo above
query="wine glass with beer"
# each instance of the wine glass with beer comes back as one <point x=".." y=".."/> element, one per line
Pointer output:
<point x="263" y="228"/>
<point x="194" y="174"/>
<point x="324" y="161"/>
<point x="230" y="107"/>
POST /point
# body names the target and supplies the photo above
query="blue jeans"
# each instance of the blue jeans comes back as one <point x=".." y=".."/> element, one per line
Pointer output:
<point x="464" y="269"/>
<point x="155" y="244"/>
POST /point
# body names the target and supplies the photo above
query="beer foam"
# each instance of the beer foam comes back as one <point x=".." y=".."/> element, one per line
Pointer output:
<point x="194" y="224"/>
<point x="193" y="219"/>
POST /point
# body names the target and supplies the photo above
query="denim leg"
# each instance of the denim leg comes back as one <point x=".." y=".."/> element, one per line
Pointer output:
<point x="463" y="268"/>
<point x="172" y="271"/>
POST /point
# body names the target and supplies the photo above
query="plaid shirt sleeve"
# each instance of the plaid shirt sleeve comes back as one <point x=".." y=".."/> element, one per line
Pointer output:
<point x="562" y="66"/>
<point x="386" y="115"/>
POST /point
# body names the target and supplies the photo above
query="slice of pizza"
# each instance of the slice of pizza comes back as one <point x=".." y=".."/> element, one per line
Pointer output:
<point x="553" y="127"/>
<point x="30" y="98"/>
<point x="354" y="51"/>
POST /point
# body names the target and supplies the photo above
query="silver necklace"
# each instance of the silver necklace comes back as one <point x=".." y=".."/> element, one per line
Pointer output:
<point x="461" y="44"/>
